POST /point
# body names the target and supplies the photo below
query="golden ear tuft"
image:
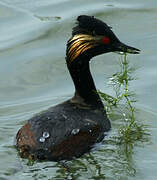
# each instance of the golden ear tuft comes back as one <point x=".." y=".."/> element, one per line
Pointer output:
<point x="78" y="45"/>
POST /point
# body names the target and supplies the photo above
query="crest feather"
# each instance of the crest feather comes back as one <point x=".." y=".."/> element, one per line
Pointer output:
<point x="90" y="25"/>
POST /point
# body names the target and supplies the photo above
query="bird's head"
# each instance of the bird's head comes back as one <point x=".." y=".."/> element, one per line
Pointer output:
<point x="92" y="37"/>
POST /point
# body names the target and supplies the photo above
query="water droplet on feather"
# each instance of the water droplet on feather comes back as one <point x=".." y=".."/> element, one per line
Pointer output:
<point x="42" y="139"/>
<point x="46" y="135"/>
<point x="75" y="131"/>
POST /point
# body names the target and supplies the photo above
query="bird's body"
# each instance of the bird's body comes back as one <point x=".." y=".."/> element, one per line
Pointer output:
<point x="70" y="129"/>
<point x="70" y="132"/>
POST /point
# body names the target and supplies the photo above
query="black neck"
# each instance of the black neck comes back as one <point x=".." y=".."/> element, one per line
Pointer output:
<point x="84" y="84"/>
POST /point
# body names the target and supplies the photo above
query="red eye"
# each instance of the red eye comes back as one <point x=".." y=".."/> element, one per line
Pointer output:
<point x="106" y="40"/>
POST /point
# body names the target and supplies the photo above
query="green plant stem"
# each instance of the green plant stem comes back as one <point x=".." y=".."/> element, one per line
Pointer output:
<point x="131" y="130"/>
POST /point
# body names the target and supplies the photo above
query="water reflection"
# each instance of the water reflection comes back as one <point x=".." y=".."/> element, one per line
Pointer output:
<point x="114" y="160"/>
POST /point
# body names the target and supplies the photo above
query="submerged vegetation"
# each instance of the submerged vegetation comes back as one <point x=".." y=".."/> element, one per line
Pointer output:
<point x="132" y="130"/>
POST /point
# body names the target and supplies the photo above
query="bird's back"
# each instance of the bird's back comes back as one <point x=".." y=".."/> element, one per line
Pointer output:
<point x="62" y="132"/>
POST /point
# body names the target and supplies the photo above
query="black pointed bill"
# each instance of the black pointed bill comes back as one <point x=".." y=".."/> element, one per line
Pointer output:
<point x="122" y="48"/>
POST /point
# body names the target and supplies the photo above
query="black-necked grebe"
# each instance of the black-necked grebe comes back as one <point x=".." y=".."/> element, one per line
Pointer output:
<point x="70" y="129"/>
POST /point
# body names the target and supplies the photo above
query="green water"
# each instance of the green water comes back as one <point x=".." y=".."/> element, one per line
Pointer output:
<point x="33" y="37"/>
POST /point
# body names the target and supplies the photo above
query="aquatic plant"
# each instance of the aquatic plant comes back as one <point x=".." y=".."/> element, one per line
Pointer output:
<point x="132" y="130"/>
